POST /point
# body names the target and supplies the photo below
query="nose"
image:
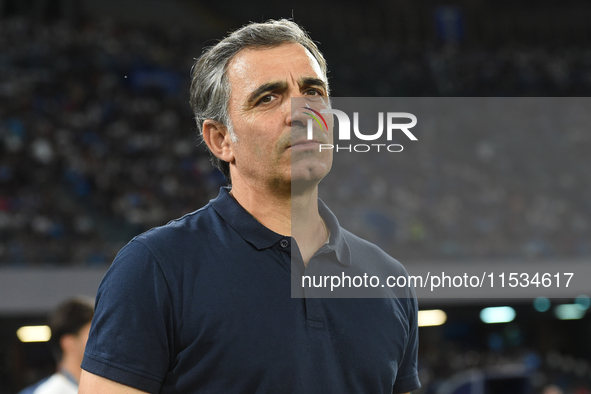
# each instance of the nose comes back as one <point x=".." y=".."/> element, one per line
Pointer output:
<point x="296" y="116"/>
<point x="302" y="108"/>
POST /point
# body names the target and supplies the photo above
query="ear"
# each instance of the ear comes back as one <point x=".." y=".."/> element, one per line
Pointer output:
<point x="217" y="137"/>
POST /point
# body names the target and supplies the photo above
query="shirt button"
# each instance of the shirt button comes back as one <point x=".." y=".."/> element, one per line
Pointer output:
<point x="284" y="243"/>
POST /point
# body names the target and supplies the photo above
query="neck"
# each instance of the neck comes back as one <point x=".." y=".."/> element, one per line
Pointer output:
<point x="71" y="366"/>
<point x="290" y="214"/>
<point x="308" y="228"/>
<point x="271" y="208"/>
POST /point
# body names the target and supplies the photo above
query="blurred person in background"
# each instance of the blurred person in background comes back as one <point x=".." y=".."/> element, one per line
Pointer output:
<point x="552" y="389"/>
<point x="70" y="325"/>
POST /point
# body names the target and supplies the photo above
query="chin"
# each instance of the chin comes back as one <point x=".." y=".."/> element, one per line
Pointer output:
<point x="303" y="179"/>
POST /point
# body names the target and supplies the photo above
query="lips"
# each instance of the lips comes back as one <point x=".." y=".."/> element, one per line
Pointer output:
<point x="299" y="138"/>
<point x="305" y="145"/>
<point x="304" y="142"/>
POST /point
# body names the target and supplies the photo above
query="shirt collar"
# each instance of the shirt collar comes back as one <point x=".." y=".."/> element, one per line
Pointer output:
<point x="243" y="222"/>
<point x="337" y="240"/>
<point x="261" y="237"/>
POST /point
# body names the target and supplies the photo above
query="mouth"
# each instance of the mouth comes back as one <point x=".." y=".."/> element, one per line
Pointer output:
<point x="304" y="144"/>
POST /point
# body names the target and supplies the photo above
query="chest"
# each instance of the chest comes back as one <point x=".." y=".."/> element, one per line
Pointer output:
<point x="237" y="324"/>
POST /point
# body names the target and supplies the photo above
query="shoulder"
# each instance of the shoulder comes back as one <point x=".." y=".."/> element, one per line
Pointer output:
<point x="186" y="235"/>
<point x="368" y="258"/>
<point x="363" y="251"/>
<point x="55" y="384"/>
<point x="198" y="222"/>
<point x="168" y="253"/>
<point x="31" y="389"/>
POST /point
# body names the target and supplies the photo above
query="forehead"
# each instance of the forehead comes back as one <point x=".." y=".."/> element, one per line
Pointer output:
<point x="252" y="67"/>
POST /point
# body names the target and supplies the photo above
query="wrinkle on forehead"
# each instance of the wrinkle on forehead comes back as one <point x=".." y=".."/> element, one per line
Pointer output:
<point x="241" y="65"/>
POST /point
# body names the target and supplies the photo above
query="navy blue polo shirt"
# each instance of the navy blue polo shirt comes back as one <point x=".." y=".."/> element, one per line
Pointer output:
<point x="203" y="305"/>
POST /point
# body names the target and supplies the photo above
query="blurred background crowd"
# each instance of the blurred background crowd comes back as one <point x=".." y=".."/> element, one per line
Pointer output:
<point x="98" y="144"/>
<point x="490" y="178"/>
<point x="98" y="141"/>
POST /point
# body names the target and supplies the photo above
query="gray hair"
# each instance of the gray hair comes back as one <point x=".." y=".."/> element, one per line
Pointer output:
<point x="210" y="89"/>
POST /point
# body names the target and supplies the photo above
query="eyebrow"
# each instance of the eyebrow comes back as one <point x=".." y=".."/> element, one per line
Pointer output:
<point x="264" y="88"/>
<point x="282" y="85"/>
<point x="310" y="81"/>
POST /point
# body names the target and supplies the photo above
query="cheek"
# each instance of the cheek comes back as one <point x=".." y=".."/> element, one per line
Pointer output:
<point x="249" y="152"/>
<point x="259" y="146"/>
<point x="258" y="150"/>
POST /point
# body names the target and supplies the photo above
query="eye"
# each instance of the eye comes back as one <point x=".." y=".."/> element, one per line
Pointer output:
<point x="314" y="92"/>
<point x="265" y="99"/>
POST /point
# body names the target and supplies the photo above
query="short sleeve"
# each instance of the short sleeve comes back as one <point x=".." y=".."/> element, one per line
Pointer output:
<point x="407" y="378"/>
<point x="130" y="337"/>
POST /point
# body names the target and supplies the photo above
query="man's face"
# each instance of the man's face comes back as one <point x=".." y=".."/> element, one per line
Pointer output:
<point x="271" y="148"/>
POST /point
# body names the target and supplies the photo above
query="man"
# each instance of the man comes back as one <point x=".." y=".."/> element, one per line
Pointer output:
<point x="70" y="324"/>
<point x="203" y="304"/>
